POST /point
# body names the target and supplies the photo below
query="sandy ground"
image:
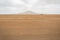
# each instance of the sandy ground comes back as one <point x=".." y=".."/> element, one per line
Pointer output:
<point x="29" y="27"/>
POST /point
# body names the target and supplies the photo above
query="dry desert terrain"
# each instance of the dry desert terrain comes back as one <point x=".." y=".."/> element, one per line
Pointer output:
<point x="29" y="27"/>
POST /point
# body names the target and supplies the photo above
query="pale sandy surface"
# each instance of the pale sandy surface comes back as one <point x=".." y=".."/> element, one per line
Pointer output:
<point x="29" y="27"/>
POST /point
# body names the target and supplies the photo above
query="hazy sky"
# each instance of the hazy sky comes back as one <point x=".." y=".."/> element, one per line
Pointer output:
<point x="36" y="6"/>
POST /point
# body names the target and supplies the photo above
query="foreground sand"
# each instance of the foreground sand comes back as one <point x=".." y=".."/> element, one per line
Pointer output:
<point x="29" y="27"/>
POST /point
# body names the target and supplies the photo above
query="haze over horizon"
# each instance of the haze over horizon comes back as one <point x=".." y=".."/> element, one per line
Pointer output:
<point x="36" y="6"/>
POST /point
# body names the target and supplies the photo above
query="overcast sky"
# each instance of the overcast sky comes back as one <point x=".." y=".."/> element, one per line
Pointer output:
<point x="37" y="6"/>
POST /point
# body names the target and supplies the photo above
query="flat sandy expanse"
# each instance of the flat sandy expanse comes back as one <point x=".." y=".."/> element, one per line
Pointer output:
<point x="29" y="27"/>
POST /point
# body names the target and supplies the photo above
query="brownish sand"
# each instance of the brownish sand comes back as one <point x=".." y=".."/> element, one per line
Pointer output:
<point x="29" y="27"/>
